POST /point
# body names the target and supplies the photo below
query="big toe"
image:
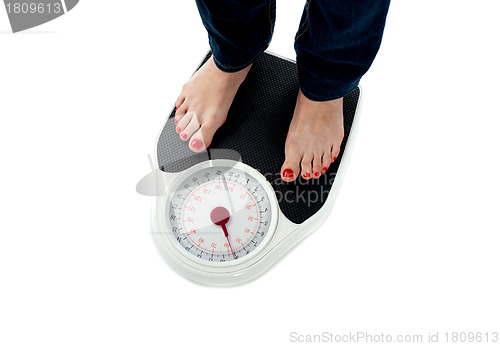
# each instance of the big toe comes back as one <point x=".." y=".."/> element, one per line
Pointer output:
<point x="290" y="169"/>
<point x="201" y="139"/>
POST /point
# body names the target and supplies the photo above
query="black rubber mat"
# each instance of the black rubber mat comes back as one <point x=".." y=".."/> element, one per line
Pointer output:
<point x="256" y="129"/>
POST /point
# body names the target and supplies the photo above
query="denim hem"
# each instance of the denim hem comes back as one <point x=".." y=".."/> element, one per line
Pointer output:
<point x="232" y="69"/>
<point x="338" y="94"/>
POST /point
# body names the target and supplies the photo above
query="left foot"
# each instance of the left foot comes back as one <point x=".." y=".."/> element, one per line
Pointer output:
<point x="314" y="138"/>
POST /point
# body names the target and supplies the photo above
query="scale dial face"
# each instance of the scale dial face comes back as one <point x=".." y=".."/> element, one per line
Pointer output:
<point x="220" y="212"/>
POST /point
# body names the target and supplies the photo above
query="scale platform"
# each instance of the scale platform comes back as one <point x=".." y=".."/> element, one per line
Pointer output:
<point x="224" y="216"/>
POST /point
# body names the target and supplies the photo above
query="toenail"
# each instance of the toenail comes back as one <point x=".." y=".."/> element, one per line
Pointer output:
<point x="176" y="121"/>
<point x="176" y="109"/>
<point x="334" y="158"/>
<point x="197" y="144"/>
<point x="324" y="169"/>
<point x="288" y="173"/>
<point x="316" y="174"/>
<point x="183" y="136"/>
<point x="306" y="175"/>
<point x="178" y="129"/>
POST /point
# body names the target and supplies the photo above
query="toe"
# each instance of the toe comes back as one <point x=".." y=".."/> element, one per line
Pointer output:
<point x="180" y="100"/>
<point x="336" y="146"/>
<point x="202" y="138"/>
<point x="190" y="128"/>
<point x="183" y="122"/>
<point x="290" y="169"/>
<point x="326" y="161"/>
<point x="306" y="167"/>
<point x="335" y="152"/>
<point x="317" y="167"/>
<point x="180" y="112"/>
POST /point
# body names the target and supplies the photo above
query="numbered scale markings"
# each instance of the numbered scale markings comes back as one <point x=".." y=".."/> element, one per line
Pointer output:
<point x="220" y="214"/>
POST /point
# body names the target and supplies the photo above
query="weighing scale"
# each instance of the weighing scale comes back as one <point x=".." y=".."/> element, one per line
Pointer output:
<point x="224" y="216"/>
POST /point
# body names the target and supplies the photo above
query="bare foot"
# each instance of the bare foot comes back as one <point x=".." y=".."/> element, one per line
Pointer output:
<point x="314" y="138"/>
<point x="202" y="106"/>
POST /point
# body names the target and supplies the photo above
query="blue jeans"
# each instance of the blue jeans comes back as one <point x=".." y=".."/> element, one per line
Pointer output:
<point x="336" y="42"/>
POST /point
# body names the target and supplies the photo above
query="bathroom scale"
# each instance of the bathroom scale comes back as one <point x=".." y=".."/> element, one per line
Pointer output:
<point x="224" y="216"/>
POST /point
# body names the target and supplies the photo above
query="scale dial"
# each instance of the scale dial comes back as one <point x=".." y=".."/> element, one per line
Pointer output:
<point x="221" y="213"/>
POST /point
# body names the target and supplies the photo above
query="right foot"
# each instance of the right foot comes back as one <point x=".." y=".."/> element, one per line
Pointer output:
<point x="202" y="106"/>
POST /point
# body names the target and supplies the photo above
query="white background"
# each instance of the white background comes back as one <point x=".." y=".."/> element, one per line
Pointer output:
<point x="412" y="244"/>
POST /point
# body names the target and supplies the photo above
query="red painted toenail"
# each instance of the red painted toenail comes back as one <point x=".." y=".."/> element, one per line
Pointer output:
<point x="288" y="173"/>
<point x="183" y="136"/>
<point x="178" y="129"/>
<point x="176" y="109"/>
<point x="197" y="144"/>
<point x="334" y="158"/>
<point x="306" y="175"/>
<point x="176" y="121"/>
<point x="324" y="169"/>
<point x="316" y="174"/>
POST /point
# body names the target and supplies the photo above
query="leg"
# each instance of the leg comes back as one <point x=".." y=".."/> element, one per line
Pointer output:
<point x="238" y="32"/>
<point x="336" y="44"/>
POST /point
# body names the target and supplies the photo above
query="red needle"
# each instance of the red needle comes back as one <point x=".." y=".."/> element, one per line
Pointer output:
<point x="220" y="216"/>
